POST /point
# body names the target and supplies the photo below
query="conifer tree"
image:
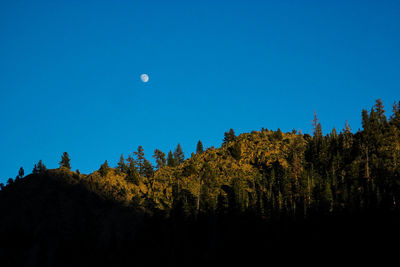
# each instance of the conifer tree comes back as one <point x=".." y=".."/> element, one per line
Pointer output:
<point x="199" y="148"/>
<point x="380" y="112"/>
<point x="179" y="156"/>
<point x="21" y="173"/>
<point x="65" y="161"/>
<point x="317" y="129"/>
<point x="365" y="120"/>
<point x="229" y="136"/>
<point x="170" y="159"/>
<point x="35" y="169"/>
<point x="133" y="175"/>
<point x="159" y="156"/>
<point x="41" y="167"/>
<point x="104" y="168"/>
<point x="148" y="170"/>
<point x="122" y="167"/>
<point x="140" y="159"/>
<point x="395" y="118"/>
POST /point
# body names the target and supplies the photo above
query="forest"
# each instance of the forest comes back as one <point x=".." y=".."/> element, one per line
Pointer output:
<point x="262" y="196"/>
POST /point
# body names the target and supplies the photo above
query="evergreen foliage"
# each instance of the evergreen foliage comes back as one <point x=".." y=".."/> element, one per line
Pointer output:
<point x="21" y="173"/>
<point x="122" y="167"/>
<point x="65" y="161"/>
<point x="148" y="170"/>
<point x="171" y="160"/>
<point x="41" y="167"/>
<point x="229" y="136"/>
<point x="104" y="169"/>
<point x="199" y="147"/>
<point x="140" y="159"/>
<point x="255" y="180"/>
<point x="159" y="156"/>
<point x="179" y="156"/>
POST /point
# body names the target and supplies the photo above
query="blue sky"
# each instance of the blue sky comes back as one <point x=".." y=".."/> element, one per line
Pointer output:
<point x="70" y="73"/>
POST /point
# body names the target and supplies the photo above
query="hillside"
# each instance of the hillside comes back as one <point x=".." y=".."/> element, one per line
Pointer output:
<point x="260" y="192"/>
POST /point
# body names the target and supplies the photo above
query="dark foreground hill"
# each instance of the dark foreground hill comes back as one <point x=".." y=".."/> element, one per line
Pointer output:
<point x="264" y="197"/>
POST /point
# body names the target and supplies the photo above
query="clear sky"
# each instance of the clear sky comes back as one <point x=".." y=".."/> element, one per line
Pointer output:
<point x="70" y="73"/>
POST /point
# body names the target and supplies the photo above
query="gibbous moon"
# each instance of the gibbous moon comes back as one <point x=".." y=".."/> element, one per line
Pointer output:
<point x="144" y="78"/>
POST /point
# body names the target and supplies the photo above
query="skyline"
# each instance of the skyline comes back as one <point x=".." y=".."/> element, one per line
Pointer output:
<point x="70" y="74"/>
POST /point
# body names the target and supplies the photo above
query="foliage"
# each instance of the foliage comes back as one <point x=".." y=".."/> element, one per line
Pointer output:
<point x="65" y="161"/>
<point x="268" y="176"/>
<point x="199" y="147"/>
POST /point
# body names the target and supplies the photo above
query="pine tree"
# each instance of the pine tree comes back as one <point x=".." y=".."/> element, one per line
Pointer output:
<point x="380" y="112"/>
<point x="229" y="136"/>
<point x="122" y="167"/>
<point x="35" y="170"/>
<point x="365" y="119"/>
<point x="170" y="159"/>
<point x="133" y="175"/>
<point x="41" y="167"/>
<point x="395" y="118"/>
<point x="148" y="170"/>
<point x="159" y="156"/>
<point x="104" y="168"/>
<point x="140" y="159"/>
<point x="317" y="129"/>
<point x="199" y="148"/>
<point x="179" y="156"/>
<point x="65" y="161"/>
<point x="21" y="173"/>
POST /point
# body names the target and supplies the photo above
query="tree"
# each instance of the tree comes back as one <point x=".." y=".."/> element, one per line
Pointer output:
<point x="122" y="167"/>
<point x="140" y="159"/>
<point x="35" y="169"/>
<point x="236" y="150"/>
<point x="317" y="129"/>
<point x="133" y="175"/>
<point x="380" y="112"/>
<point x="229" y="136"/>
<point x="21" y="173"/>
<point x="179" y="156"/>
<point x="278" y="135"/>
<point x="170" y="159"/>
<point x="159" y="156"/>
<point x="104" y="168"/>
<point x="10" y="181"/>
<point x="199" y="148"/>
<point x="148" y="169"/>
<point x="395" y="118"/>
<point x="41" y="167"/>
<point x="65" y="161"/>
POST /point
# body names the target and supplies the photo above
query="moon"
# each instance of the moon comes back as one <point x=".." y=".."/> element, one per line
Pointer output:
<point x="144" y="77"/>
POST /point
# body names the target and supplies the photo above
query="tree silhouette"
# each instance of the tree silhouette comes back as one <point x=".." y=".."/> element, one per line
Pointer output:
<point x="104" y="169"/>
<point x="159" y="156"/>
<point x="148" y="169"/>
<point x="179" y="156"/>
<point x="122" y="167"/>
<point x="140" y="159"/>
<point x="199" y="148"/>
<point x="171" y="160"/>
<point x="229" y="136"/>
<point x="65" y="161"/>
<point x="21" y="173"/>
<point x="41" y="167"/>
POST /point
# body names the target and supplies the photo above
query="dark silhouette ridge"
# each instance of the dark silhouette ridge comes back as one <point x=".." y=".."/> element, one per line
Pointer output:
<point x="264" y="197"/>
